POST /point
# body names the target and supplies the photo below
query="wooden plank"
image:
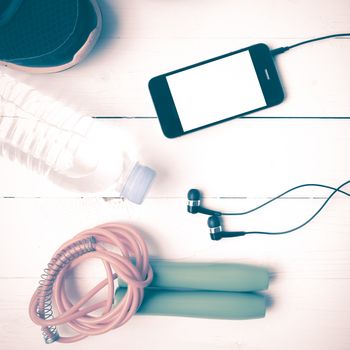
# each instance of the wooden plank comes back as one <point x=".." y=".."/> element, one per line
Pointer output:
<point x="141" y="18"/>
<point x="259" y="158"/>
<point x="315" y="77"/>
<point x="314" y="311"/>
<point x="37" y="227"/>
<point x="143" y="39"/>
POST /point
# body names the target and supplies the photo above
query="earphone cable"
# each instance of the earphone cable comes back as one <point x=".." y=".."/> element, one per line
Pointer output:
<point x="338" y="189"/>
<point x="286" y="48"/>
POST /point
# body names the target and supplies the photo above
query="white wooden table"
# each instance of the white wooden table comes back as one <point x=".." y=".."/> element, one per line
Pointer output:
<point x="256" y="159"/>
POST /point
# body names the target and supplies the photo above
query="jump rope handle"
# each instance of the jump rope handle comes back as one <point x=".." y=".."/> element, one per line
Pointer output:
<point x="199" y="303"/>
<point x="206" y="276"/>
<point x="203" y="290"/>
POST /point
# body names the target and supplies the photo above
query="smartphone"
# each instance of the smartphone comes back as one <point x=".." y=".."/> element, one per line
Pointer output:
<point x="216" y="90"/>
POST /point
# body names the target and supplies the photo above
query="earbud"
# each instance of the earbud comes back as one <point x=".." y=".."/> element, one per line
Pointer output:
<point x="215" y="227"/>
<point x="194" y="204"/>
<point x="194" y="201"/>
<point x="214" y="221"/>
<point x="216" y="230"/>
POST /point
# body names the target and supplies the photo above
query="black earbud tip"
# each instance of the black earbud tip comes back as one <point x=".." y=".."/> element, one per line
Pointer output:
<point x="193" y="195"/>
<point x="214" y="221"/>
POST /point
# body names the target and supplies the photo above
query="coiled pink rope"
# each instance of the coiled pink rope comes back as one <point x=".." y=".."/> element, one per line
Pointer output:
<point x="91" y="244"/>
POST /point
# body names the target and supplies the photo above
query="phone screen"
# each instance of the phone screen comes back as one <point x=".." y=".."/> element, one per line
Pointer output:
<point x="216" y="90"/>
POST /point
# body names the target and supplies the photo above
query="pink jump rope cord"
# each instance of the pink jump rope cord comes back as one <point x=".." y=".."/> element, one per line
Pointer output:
<point x="90" y="244"/>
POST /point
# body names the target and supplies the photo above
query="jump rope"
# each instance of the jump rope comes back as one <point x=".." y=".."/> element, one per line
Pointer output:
<point x="131" y="265"/>
<point x="225" y="291"/>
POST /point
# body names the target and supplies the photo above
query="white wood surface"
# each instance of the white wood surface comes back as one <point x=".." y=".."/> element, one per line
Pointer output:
<point x="244" y="161"/>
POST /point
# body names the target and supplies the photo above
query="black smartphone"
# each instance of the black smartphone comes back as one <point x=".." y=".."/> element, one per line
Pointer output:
<point x="216" y="90"/>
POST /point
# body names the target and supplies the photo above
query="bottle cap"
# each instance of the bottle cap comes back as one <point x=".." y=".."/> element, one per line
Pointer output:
<point x="138" y="183"/>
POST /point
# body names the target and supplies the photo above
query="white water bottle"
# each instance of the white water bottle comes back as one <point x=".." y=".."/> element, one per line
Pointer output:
<point x="72" y="150"/>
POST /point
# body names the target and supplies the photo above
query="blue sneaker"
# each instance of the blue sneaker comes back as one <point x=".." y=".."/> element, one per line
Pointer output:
<point x="46" y="36"/>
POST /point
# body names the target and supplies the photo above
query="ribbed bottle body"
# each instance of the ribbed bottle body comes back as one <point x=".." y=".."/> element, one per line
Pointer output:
<point x="71" y="149"/>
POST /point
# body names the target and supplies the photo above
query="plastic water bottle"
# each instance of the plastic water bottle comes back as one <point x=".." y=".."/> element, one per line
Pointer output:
<point x="72" y="150"/>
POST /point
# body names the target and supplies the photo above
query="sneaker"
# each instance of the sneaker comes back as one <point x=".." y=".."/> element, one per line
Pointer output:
<point x="47" y="36"/>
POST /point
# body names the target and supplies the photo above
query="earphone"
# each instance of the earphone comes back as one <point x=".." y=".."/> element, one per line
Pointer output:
<point x="217" y="232"/>
<point x="215" y="221"/>
<point x="194" y="204"/>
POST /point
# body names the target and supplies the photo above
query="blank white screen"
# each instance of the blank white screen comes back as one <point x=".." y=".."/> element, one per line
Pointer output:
<point x="215" y="91"/>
